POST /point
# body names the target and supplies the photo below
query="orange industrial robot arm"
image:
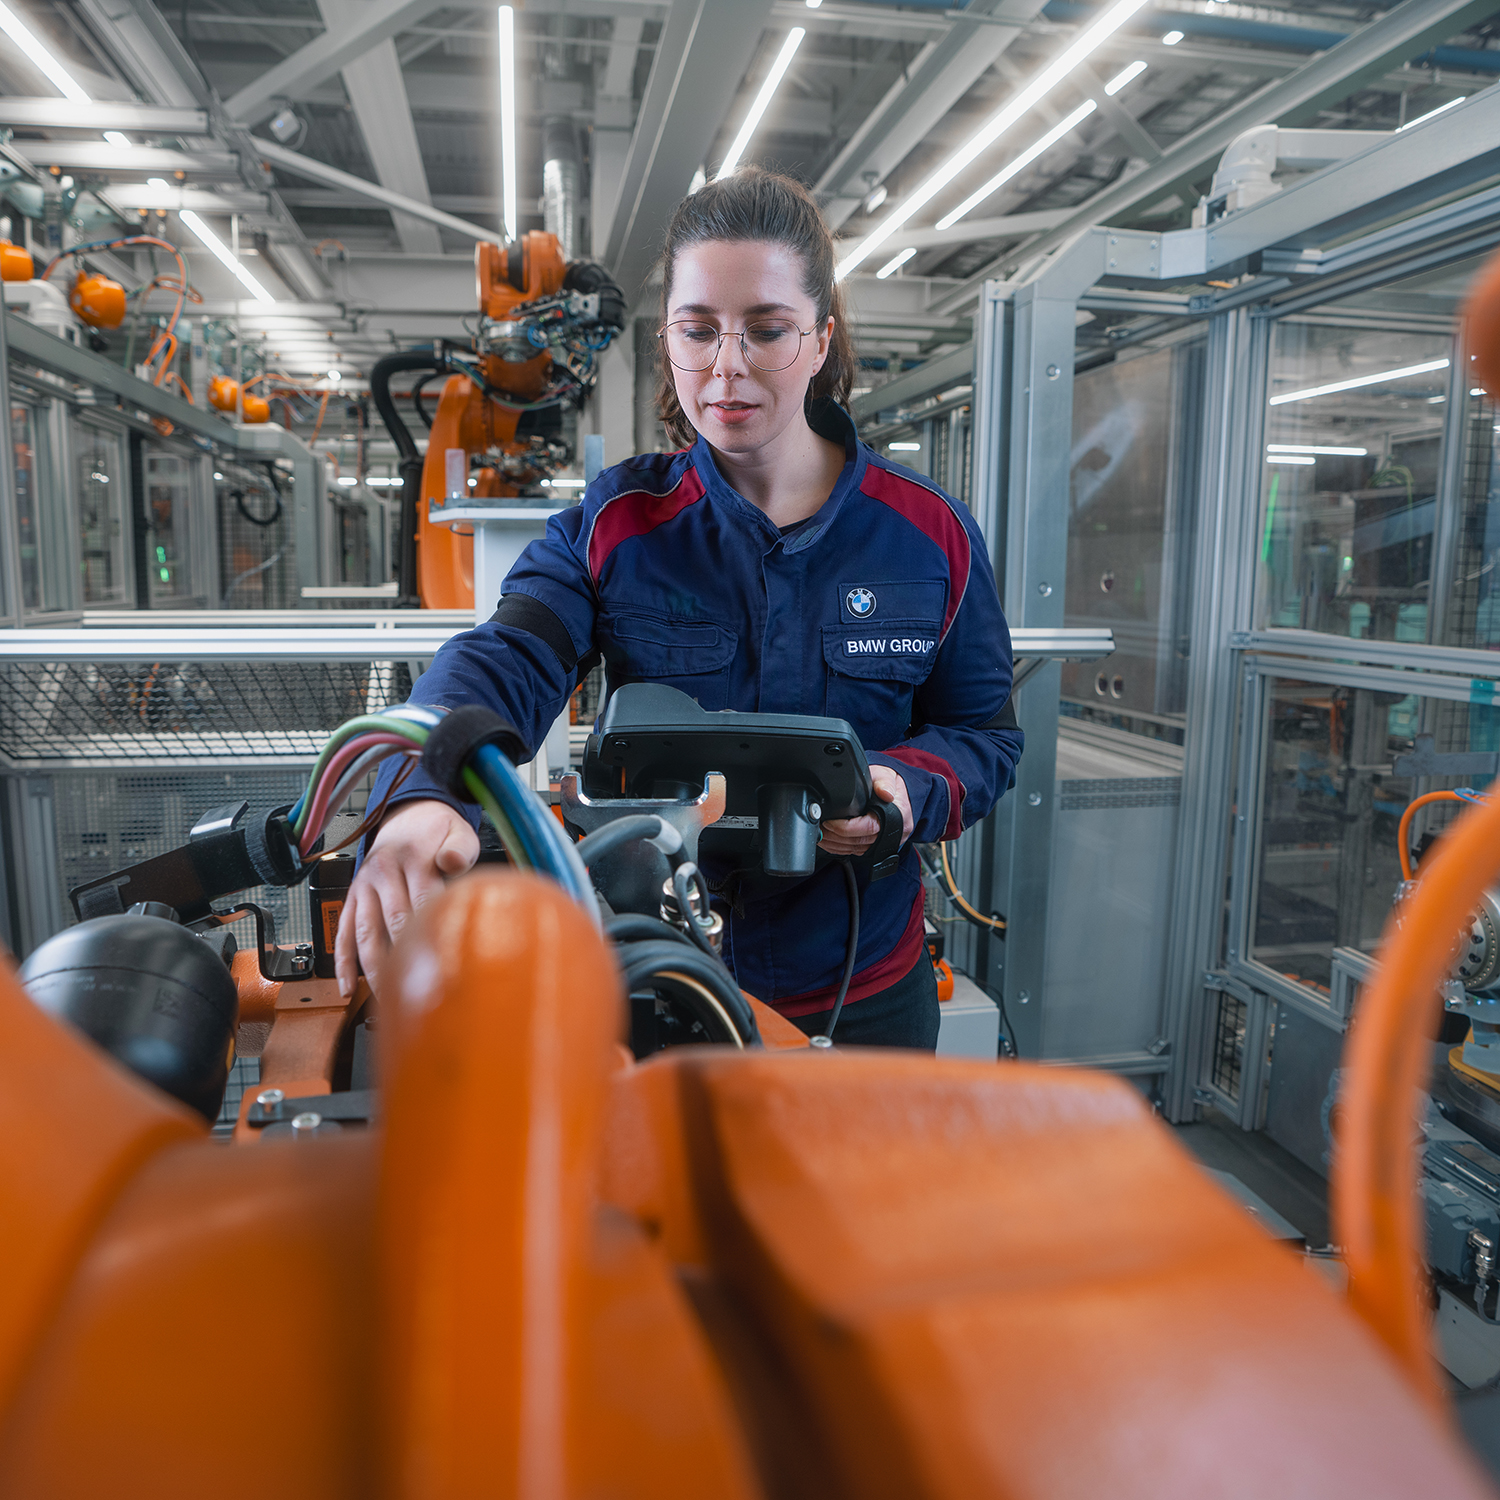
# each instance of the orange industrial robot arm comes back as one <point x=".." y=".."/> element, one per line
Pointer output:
<point x="542" y="323"/>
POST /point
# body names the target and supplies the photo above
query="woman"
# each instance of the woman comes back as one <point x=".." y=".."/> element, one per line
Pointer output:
<point x="776" y="565"/>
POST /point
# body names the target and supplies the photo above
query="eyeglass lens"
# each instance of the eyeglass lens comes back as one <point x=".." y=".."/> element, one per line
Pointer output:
<point x="770" y="344"/>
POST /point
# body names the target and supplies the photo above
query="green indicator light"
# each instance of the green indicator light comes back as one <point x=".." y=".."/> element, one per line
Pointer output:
<point x="166" y="576"/>
<point x="161" y="554"/>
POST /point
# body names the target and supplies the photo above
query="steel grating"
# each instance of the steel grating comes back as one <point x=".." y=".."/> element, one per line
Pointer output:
<point x="182" y="713"/>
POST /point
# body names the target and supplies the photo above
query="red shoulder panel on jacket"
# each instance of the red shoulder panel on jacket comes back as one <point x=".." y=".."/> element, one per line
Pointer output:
<point x="931" y="514"/>
<point x="636" y="512"/>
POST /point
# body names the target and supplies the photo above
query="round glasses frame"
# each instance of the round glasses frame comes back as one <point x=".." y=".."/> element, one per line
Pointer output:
<point x="663" y="334"/>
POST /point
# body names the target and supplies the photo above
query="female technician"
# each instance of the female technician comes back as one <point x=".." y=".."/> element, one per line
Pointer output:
<point x="776" y="565"/>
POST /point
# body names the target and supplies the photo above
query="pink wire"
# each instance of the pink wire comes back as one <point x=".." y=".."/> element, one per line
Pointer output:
<point x="345" y="756"/>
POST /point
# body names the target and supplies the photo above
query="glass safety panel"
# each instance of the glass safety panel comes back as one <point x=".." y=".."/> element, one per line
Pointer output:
<point x="1130" y="535"/>
<point x="1328" y="864"/>
<point x="103" y="491"/>
<point x="169" y="498"/>
<point x="1473" y="613"/>
<point x="1350" y="477"/>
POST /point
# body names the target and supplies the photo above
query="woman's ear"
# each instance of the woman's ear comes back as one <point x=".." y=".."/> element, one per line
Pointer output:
<point x="825" y="341"/>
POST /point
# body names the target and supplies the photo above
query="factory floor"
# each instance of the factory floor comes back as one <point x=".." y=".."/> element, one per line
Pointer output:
<point x="1300" y="1196"/>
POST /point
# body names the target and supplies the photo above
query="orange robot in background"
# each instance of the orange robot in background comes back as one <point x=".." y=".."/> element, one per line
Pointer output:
<point x="542" y="324"/>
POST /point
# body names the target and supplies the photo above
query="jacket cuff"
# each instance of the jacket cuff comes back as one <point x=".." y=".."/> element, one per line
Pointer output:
<point x="934" y="789"/>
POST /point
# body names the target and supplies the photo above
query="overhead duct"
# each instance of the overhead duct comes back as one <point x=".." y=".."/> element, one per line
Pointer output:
<point x="562" y="177"/>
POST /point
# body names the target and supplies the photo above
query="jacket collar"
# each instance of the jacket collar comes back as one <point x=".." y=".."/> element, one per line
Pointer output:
<point x="829" y="420"/>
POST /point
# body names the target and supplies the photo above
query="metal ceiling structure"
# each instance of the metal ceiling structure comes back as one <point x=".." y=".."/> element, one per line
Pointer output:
<point x="349" y="148"/>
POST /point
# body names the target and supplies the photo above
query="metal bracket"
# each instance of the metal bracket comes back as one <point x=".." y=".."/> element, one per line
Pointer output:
<point x="354" y="1106"/>
<point x="633" y="875"/>
<point x="1425" y="761"/>
<point x="276" y="963"/>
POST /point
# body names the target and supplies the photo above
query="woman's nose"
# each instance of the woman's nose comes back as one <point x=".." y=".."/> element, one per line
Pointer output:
<point x="730" y="360"/>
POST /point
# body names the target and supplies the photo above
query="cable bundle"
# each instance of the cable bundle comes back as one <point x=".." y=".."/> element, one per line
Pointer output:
<point x="533" y="840"/>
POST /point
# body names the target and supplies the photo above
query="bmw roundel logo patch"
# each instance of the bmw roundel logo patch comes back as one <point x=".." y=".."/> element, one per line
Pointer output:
<point x="861" y="603"/>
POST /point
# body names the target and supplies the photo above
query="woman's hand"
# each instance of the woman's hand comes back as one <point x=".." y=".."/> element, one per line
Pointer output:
<point x="855" y="835"/>
<point x="417" y="846"/>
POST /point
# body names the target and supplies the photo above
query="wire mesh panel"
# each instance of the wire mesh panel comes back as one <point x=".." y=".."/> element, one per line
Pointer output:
<point x="107" y="821"/>
<point x="76" y="713"/>
<point x="257" y="544"/>
<point x="1228" y="1057"/>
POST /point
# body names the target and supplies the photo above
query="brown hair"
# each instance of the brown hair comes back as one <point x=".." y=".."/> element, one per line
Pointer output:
<point x="757" y="205"/>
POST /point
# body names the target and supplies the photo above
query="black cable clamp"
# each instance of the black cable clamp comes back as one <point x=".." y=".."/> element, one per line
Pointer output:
<point x="458" y="735"/>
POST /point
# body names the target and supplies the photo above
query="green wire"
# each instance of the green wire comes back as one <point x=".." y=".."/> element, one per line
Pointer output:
<point x="492" y="810"/>
<point x="365" y="724"/>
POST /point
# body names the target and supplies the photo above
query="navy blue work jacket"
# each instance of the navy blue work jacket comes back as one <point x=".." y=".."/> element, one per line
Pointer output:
<point x="881" y="609"/>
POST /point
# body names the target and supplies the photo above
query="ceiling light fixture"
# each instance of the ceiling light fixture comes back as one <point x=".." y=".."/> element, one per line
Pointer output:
<point x="1019" y="105"/>
<point x="1379" y="378"/>
<point x="1024" y="160"/>
<point x="876" y="198"/>
<point x="34" y="48"/>
<point x="762" y="100"/>
<point x="1290" y="458"/>
<point x="1441" y="109"/>
<point x="220" y="252"/>
<point x="117" y="137"/>
<point x="507" y="25"/>
<point x="1172" y="38"/>
<point x="904" y="447"/>
<point x="1316" y="448"/>
<point x="895" y="263"/>
<point x="1124" y="76"/>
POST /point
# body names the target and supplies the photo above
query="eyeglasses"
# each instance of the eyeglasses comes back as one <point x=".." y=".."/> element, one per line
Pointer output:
<point x="770" y="344"/>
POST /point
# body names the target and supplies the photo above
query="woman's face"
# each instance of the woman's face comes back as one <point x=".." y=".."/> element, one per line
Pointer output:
<point x="729" y="286"/>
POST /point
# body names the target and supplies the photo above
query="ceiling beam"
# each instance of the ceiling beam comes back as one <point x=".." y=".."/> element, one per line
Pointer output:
<point x="701" y="57"/>
<point x="942" y="73"/>
<point x="318" y="171"/>
<point x="966" y="231"/>
<point x="134" y="195"/>
<point x="1404" y="32"/>
<point x="148" y="52"/>
<point x="324" y="56"/>
<point x="102" y="114"/>
<point x="377" y="94"/>
<point x="134" y="161"/>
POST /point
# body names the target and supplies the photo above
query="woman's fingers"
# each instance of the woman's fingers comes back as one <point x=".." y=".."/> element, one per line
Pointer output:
<point x="849" y="835"/>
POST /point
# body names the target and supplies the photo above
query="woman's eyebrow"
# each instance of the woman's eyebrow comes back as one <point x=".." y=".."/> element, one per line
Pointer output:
<point x="704" y="310"/>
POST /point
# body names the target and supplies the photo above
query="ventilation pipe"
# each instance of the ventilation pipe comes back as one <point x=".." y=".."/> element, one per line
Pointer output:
<point x="562" y="175"/>
<point x="1246" y="170"/>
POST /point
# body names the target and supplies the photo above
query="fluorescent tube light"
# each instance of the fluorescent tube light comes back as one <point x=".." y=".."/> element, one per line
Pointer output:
<point x="220" y="251"/>
<point x="117" y="137"/>
<point x="904" y="447"/>
<point x="507" y="24"/>
<point x="1315" y="448"/>
<point x="762" y="100"/>
<point x="1172" y="38"/>
<point x="1015" y="108"/>
<point x="1289" y="458"/>
<point x="384" y="484"/>
<point x="1123" y="77"/>
<point x="348" y="481"/>
<point x="1029" y="155"/>
<point x="34" y="48"/>
<point x="1379" y="378"/>
<point x="895" y="263"/>
<point x="1431" y="112"/>
<point x="877" y="198"/>
<point x="564" y="484"/>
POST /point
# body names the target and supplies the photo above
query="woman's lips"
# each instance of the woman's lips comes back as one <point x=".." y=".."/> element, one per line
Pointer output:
<point x="732" y="413"/>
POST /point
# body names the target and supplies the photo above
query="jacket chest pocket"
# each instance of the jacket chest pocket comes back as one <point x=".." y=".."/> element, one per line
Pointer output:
<point x="695" y="656"/>
<point x="873" y="672"/>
